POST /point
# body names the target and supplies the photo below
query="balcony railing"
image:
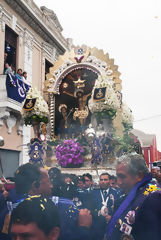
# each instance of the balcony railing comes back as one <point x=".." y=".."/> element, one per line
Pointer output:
<point x="12" y="92"/>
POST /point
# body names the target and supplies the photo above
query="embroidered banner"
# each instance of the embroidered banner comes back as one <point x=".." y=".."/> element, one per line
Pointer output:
<point x="29" y="104"/>
<point x="99" y="94"/>
<point x="36" y="151"/>
<point x="16" y="89"/>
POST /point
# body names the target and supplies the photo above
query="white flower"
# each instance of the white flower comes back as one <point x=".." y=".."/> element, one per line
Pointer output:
<point x="41" y="107"/>
<point x="111" y="101"/>
<point x="127" y="116"/>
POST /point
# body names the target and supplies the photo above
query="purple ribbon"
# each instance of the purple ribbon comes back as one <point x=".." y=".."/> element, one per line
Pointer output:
<point x="124" y="205"/>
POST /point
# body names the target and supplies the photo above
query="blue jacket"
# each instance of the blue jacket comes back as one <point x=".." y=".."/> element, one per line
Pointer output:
<point x="142" y="217"/>
<point x="68" y="214"/>
<point x="99" y="222"/>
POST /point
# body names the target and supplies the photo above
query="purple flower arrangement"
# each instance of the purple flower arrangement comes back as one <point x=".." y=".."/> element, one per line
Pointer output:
<point x="69" y="153"/>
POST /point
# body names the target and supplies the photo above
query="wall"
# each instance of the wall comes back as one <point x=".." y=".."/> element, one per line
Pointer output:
<point x="13" y="141"/>
<point x="36" y="67"/>
<point x="33" y="47"/>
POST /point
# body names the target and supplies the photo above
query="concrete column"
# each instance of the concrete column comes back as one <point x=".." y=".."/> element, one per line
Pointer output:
<point x="43" y="71"/>
<point x="26" y="38"/>
<point x="2" y="43"/>
<point x="28" y="53"/>
<point x="20" y="52"/>
<point x="24" y="158"/>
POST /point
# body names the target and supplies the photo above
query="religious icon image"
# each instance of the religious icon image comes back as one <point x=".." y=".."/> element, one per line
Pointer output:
<point x="125" y="228"/>
<point x="75" y="91"/>
<point x="99" y="94"/>
<point x="64" y="121"/>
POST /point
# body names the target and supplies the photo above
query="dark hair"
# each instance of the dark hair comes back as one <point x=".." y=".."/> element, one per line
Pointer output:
<point x="56" y="181"/>
<point x="24" y="73"/>
<point x="38" y="210"/>
<point x="65" y="175"/>
<point x="25" y="176"/>
<point x="12" y="179"/>
<point x="74" y="178"/>
<point x="105" y="173"/>
<point x="54" y="172"/>
<point x="88" y="175"/>
<point x="19" y="69"/>
<point x="81" y="178"/>
<point x="68" y="190"/>
<point x="112" y="177"/>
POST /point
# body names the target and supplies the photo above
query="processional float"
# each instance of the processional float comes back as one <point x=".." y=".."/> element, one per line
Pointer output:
<point x="88" y="121"/>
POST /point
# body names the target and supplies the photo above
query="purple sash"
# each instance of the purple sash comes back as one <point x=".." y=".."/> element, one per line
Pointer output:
<point x="125" y="204"/>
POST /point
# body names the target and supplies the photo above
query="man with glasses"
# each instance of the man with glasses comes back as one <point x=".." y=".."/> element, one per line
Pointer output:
<point x="84" y="194"/>
<point x="88" y="182"/>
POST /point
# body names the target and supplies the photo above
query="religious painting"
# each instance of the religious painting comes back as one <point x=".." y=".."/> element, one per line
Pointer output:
<point x="72" y="114"/>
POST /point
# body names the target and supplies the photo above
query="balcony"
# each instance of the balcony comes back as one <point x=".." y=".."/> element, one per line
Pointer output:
<point x="5" y="101"/>
<point x="12" y="93"/>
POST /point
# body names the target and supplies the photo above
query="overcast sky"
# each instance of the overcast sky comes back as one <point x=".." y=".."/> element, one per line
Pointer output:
<point x="130" y="31"/>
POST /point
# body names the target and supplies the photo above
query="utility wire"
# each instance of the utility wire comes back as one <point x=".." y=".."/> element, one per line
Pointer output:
<point x="144" y="119"/>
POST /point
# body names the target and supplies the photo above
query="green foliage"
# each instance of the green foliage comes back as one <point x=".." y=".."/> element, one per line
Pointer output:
<point x="28" y="119"/>
<point x="127" y="126"/>
<point x="110" y="113"/>
<point x="54" y="143"/>
<point x="124" y="144"/>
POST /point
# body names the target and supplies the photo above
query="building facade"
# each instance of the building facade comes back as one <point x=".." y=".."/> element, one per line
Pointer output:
<point x="30" y="39"/>
<point x="149" y="146"/>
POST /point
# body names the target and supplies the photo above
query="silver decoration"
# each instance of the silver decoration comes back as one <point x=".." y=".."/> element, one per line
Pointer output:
<point x="90" y="133"/>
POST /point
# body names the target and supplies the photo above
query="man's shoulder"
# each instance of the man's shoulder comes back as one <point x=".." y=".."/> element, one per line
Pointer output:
<point x="96" y="191"/>
<point x="147" y="200"/>
<point x="150" y="190"/>
<point x="150" y="210"/>
<point x="61" y="201"/>
<point x="152" y="194"/>
<point x="112" y="190"/>
<point x="68" y="211"/>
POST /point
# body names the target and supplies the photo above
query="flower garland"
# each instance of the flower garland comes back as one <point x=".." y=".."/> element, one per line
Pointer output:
<point x="151" y="189"/>
<point x="40" y="112"/>
<point x="69" y="152"/>
<point x="110" y="104"/>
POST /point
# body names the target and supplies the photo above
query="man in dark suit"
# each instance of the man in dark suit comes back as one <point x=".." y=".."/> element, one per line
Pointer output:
<point x="102" y="204"/>
<point x="84" y="194"/>
<point x="104" y="196"/>
<point x="88" y="182"/>
<point x="139" y="215"/>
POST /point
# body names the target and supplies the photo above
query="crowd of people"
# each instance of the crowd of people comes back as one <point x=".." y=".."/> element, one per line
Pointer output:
<point x="50" y="205"/>
<point x="22" y="76"/>
<point x="9" y="69"/>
